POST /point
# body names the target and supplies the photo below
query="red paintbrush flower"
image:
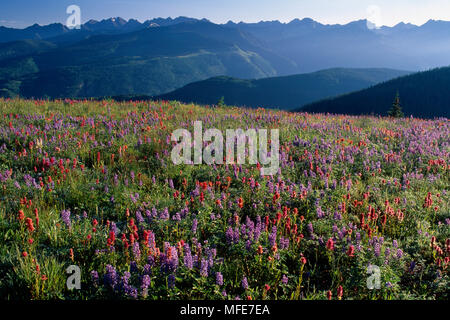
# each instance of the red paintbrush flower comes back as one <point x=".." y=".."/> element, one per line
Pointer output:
<point x="29" y="224"/>
<point x="340" y="292"/>
<point x="351" y="251"/>
<point x="330" y="244"/>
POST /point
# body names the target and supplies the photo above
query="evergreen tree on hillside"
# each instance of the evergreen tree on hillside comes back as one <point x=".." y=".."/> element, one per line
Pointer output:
<point x="221" y="102"/>
<point x="396" y="110"/>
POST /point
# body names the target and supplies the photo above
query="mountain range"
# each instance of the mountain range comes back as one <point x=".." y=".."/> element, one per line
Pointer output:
<point x="126" y="57"/>
<point x="150" y="61"/>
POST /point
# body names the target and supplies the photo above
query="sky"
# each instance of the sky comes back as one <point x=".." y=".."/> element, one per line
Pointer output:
<point x="22" y="13"/>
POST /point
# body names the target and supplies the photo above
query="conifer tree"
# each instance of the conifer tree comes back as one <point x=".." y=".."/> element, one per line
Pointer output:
<point x="221" y="102"/>
<point x="396" y="109"/>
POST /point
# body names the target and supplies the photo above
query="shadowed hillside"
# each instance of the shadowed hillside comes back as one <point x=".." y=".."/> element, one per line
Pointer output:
<point x="424" y="94"/>
<point x="281" y="92"/>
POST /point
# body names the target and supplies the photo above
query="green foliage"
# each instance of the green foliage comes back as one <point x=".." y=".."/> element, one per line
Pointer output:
<point x="396" y="110"/>
<point x="221" y="102"/>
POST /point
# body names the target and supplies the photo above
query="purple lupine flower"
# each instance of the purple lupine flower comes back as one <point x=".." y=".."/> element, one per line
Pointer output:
<point x="147" y="269"/>
<point x="236" y="235"/>
<point x="145" y="283"/>
<point x="219" y="279"/>
<point x="136" y="251"/>
<point x="229" y="235"/>
<point x="173" y="261"/>
<point x="65" y="217"/>
<point x="151" y="260"/>
<point x="110" y="277"/>
<point x="132" y="292"/>
<point x="139" y="218"/>
<point x="188" y="262"/>
<point x="244" y="283"/>
<point x="284" y="279"/>
<point x="335" y="229"/>
<point x="204" y="268"/>
<point x="399" y="253"/>
<point x="164" y="214"/>
<point x="377" y="248"/>
<point x="176" y="217"/>
<point x="194" y="225"/>
<point x="273" y="236"/>
<point x="248" y="245"/>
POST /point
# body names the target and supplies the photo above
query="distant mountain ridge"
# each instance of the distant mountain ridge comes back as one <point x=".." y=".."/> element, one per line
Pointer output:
<point x="107" y="26"/>
<point x="286" y="92"/>
<point x="39" y="32"/>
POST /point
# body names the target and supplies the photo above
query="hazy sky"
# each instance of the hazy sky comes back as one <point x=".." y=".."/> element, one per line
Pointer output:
<point x="22" y="13"/>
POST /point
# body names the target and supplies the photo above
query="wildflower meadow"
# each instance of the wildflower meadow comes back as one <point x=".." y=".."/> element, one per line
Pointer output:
<point x="93" y="207"/>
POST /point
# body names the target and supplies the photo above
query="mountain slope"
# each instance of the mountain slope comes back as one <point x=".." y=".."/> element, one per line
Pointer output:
<point x="281" y="92"/>
<point x="149" y="61"/>
<point x="21" y="48"/>
<point x="424" y="94"/>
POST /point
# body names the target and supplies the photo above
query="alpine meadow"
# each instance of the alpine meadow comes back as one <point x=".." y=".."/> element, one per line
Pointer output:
<point x="208" y="152"/>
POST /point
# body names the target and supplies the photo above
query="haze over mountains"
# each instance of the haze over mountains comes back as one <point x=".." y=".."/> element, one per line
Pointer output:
<point x="119" y="57"/>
